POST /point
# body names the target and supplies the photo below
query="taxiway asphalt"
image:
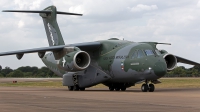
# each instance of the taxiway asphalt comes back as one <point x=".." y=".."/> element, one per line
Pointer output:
<point x="37" y="99"/>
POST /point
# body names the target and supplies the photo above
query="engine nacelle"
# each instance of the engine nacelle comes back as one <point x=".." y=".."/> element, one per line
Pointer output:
<point x="171" y="61"/>
<point x="75" y="61"/>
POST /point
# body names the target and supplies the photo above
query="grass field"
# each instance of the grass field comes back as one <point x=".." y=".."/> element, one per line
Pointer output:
<point x="166" y="83"/>
<point x="34" y="84"/>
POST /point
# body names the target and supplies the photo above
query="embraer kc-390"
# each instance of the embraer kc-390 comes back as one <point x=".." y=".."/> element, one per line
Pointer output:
<point x="118" y="64"/>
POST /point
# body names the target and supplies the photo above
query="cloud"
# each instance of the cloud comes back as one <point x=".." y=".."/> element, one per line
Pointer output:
<point x="141" y="7"/>
<point x="163" y="21"/>
<point x="20" y="24"/>
<point x="198" y="4"/>
<point x="31" y="5"/>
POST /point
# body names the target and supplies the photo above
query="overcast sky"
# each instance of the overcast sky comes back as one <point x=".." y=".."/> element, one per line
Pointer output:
<point x="170" y="21"/>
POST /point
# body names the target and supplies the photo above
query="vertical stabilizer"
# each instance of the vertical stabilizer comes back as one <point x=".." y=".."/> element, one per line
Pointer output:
<point x="54" y="35"/>
<point x="50" y="23"/>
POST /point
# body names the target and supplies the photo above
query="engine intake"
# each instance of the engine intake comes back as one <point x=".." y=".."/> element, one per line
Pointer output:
<point x="171" y="61"/>
<point x="81" y="60"/>
<point x="75" y="61"/>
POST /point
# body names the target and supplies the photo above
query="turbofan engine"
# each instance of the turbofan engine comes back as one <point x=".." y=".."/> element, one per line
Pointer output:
<point x="75" y="61"/>
<point x="171" y="61"/>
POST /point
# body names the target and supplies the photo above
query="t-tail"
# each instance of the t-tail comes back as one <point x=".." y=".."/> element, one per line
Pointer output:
<point x="49" y="15"/>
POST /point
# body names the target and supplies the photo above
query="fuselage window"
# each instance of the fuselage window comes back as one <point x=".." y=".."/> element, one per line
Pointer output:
<point x="134" y="54"/>
<point x="140" y="54"/>
<point x="149" y="52"/>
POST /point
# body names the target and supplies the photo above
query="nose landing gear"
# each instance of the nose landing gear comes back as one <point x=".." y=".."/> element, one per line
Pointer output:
<point x="151" y="87"/>
<point x="144" y="88"/>
<point x="147" y="87"/>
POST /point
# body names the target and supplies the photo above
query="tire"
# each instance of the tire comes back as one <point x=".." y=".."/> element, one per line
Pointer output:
<point x="70" y="88"/>
<point x="123" y="89"/>
<point x="117" y="89"/>
<point x="144" y="87"/>
<point x="111" y="88"/>
<point x="76" y="88"/>
<point x="151" y="88"/>
<point x="82" y="89"/>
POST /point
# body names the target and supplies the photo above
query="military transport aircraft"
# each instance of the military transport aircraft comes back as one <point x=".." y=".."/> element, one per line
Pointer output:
<point x="118" y="64"/>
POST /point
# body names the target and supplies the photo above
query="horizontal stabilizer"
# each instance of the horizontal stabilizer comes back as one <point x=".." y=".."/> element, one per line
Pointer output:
<point x="67" y="13"/>
<point x="27" y="11"/>
<point x="42" y="11"/>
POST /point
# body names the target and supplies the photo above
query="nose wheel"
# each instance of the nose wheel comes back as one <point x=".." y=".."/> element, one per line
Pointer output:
<point x="151" y="88"/>
<point x="144" y="88"/>
<point x="147" y="87"/>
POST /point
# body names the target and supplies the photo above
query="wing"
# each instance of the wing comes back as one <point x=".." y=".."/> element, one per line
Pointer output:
<point x="186" y="61"/>
<point x="88" y="46"/>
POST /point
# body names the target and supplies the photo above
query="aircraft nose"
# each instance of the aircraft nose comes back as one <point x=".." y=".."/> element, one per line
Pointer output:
<point x="160" y="69"/>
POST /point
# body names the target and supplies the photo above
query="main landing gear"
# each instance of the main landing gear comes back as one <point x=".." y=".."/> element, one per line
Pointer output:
<point x="147" y="87"/>
<point x="75" y="88"/>
<point x="117" y="87"/>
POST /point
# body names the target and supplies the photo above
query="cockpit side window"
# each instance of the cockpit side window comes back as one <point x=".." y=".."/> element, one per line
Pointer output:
<point x="140" y="54"/>
<point x="135" y="54"/>
<point x="157" y="52"/>
<point x="149" y="52"/>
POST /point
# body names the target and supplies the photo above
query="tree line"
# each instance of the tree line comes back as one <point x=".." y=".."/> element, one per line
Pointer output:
<point x="28" y="71"/>
<point x="181" y="71"/>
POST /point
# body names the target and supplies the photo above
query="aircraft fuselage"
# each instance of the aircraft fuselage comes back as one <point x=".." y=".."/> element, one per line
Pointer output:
<point x="123" y="61"/>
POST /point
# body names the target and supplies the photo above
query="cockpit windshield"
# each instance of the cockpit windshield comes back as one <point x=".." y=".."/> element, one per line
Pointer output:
<point x="141" y="53"/>
<point x="138" y="54"/>
<point x="149" y="52"/>
<point x="134" y="54"/>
